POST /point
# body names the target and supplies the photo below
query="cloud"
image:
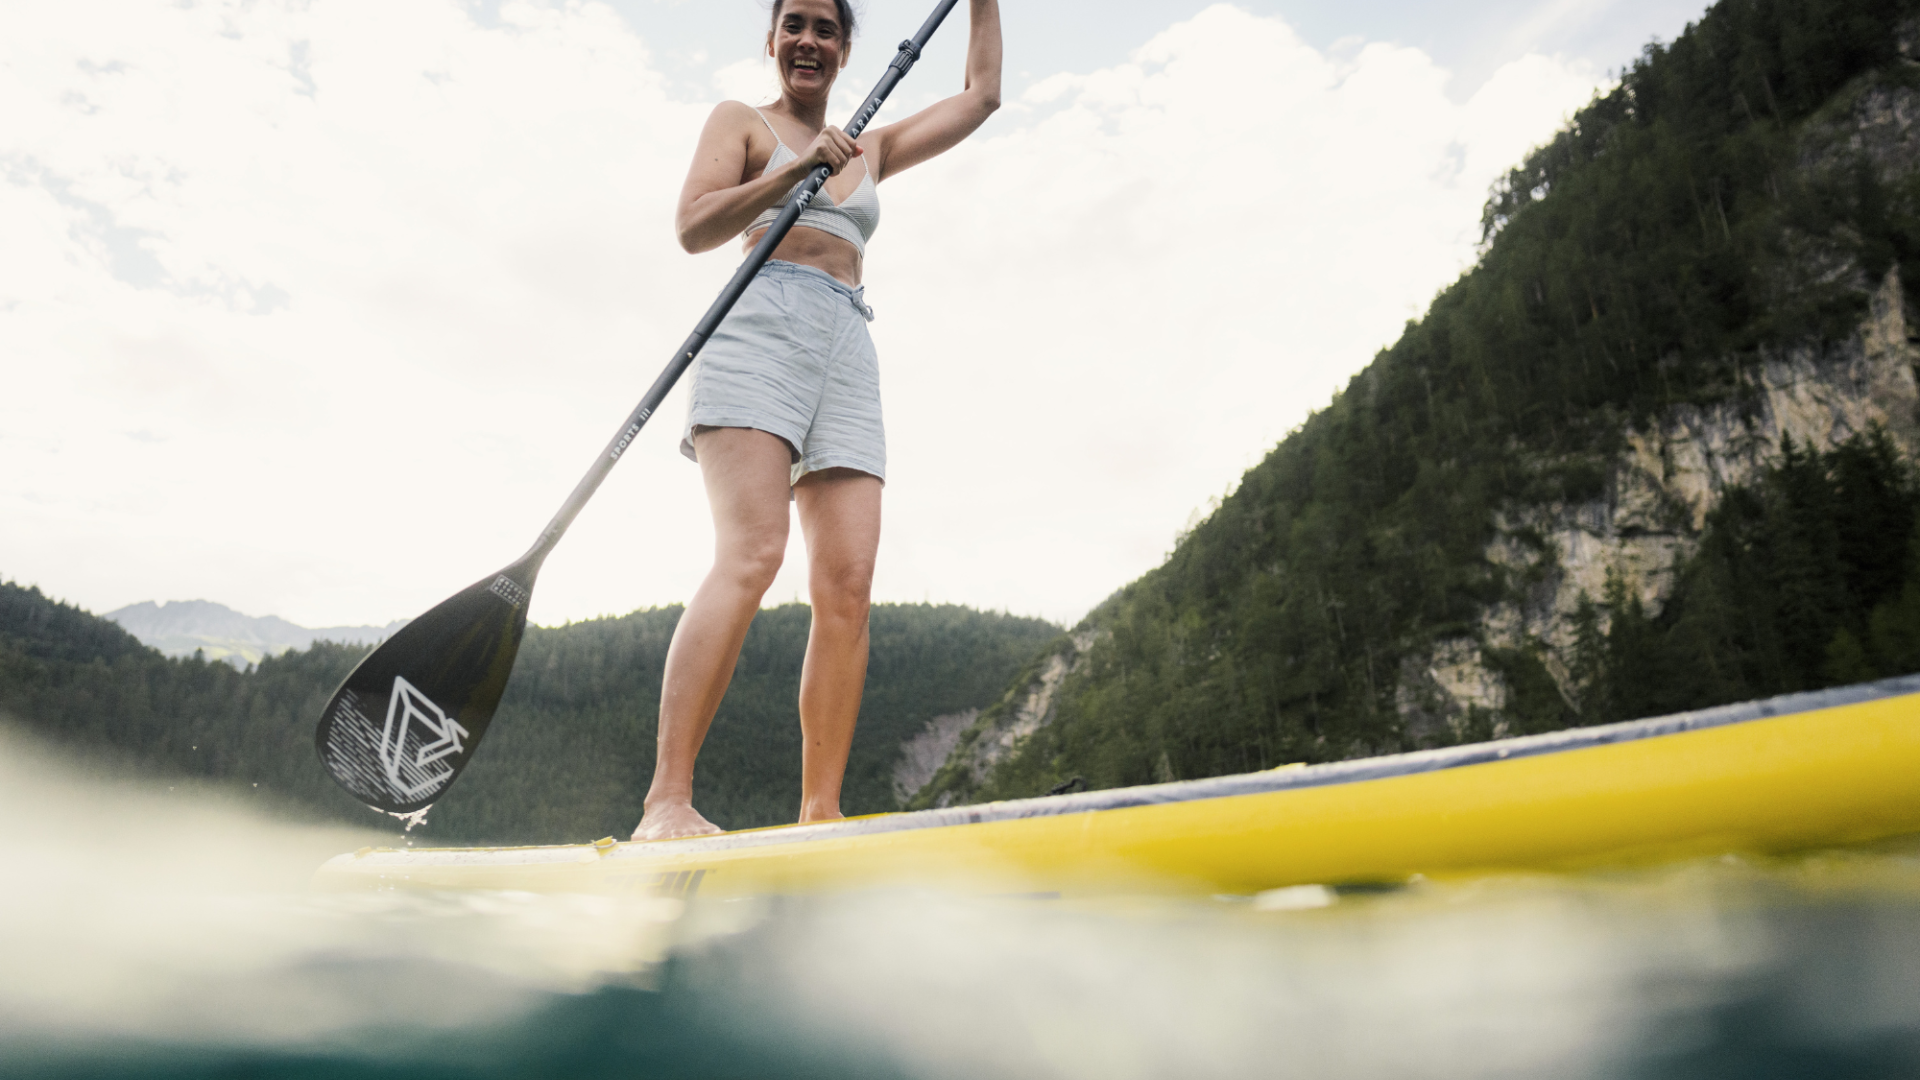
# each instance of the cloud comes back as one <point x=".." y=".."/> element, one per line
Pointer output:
<point x="750" y="80"/>
<point x="1554" y="19"/>
<point x="1122" y="304"/>
<point x="399" y="275"/>
<point x="321" y="309"/>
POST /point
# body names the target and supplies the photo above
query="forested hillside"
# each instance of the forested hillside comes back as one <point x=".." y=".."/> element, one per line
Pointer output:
<point x="570" y="753"/>
<point x="1700" y="255"/>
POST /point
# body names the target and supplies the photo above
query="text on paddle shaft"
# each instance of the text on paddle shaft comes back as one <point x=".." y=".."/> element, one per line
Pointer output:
<point x="626" y="437"/>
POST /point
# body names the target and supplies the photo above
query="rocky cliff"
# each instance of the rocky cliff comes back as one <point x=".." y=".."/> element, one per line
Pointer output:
<point x="1657" y="498"/>
<point x="960" y="755"/>
<point x="1674" y="470"/>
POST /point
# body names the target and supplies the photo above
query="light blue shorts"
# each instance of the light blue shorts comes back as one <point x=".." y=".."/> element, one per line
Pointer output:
<point x="793" y="359"/>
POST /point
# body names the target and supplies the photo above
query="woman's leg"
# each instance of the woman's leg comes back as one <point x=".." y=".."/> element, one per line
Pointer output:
<point x="840" y="516"/>
<point x="747" y="477"/>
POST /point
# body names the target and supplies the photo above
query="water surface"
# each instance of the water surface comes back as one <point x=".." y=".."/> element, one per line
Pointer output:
<point x="156" y="933"/>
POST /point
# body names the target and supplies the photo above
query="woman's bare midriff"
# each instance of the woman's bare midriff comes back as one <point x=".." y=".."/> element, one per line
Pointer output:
<point x="820" y="250"/>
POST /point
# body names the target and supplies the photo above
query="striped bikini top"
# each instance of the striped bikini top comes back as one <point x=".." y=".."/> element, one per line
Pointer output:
<point x="854" y="221"/>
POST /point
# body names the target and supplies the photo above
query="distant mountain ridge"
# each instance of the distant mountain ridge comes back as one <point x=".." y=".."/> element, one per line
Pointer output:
<point x="179" y="628"/>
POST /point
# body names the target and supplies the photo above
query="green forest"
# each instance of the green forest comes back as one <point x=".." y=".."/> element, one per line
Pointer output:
<point x="568" y="756"/>
<point x="1697" y="217"/>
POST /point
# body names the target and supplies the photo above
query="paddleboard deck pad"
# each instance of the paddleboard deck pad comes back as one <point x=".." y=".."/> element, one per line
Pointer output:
<point x="1831" y="767"/>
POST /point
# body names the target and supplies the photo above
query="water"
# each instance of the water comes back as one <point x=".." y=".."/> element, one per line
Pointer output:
<point x="148" y="933"/>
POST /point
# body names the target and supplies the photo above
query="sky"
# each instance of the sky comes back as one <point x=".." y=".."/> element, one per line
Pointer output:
<point x="319" y="309"/>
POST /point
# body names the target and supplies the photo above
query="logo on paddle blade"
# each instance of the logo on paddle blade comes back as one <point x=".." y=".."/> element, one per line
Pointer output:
<point x="509" y="590"/>
<point x="435" y="736"/>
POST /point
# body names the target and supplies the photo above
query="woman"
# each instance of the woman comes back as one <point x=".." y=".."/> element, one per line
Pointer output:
<point x="786" y="395"/>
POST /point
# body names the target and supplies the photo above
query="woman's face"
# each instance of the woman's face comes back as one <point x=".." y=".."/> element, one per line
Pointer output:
<point x="808" y="45"/>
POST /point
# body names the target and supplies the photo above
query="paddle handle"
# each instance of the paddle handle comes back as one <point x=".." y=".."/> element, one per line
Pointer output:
<point x="903" y="62"/>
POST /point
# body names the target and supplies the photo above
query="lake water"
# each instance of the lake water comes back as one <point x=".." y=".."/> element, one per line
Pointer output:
<point x="155" y="933"/>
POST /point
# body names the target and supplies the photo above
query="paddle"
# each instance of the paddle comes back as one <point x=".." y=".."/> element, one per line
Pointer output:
<point x="409" y="718"/>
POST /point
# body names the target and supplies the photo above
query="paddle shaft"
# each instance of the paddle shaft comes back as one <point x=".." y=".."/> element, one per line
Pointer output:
<point x="903" y="62"/>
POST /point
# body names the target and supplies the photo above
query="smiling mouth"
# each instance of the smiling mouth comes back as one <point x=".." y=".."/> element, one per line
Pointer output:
<point x="807" y="65"/>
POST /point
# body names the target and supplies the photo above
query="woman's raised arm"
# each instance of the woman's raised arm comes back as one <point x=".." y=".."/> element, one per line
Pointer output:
<point x="715" y="206"/>
<point x="940" y="127"/>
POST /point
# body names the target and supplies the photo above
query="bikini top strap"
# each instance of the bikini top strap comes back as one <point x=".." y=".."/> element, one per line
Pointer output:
<point x="777" y="140"/>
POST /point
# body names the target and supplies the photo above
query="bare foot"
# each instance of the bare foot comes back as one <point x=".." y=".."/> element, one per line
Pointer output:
<point x="809" y="817"/>
<point x="666" y="821"/>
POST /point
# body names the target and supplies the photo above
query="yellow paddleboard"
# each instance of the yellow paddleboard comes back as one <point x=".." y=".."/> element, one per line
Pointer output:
<point x="1831" y="767"/>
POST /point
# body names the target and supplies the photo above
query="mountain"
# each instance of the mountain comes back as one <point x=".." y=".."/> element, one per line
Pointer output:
<point x="1653" y="451"/>
<point x="183" y="627"/>
<point x="570" y="752"/>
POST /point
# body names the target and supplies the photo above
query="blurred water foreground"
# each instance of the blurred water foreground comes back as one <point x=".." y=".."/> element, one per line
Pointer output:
<point x="148" y="932"/>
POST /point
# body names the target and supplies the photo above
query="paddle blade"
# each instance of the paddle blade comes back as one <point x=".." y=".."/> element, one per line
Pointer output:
<point x="408" y="719"/>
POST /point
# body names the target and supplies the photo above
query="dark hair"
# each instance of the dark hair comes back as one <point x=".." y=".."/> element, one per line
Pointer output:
<point x="849" y="19"/>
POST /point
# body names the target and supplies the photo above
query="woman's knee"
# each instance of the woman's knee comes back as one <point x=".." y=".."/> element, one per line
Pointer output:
<point x="843" y="589"/>
<point x="752" y="564"/>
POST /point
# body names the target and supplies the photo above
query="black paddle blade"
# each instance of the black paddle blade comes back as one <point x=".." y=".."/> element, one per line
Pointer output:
<point x="404" y="724"/>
